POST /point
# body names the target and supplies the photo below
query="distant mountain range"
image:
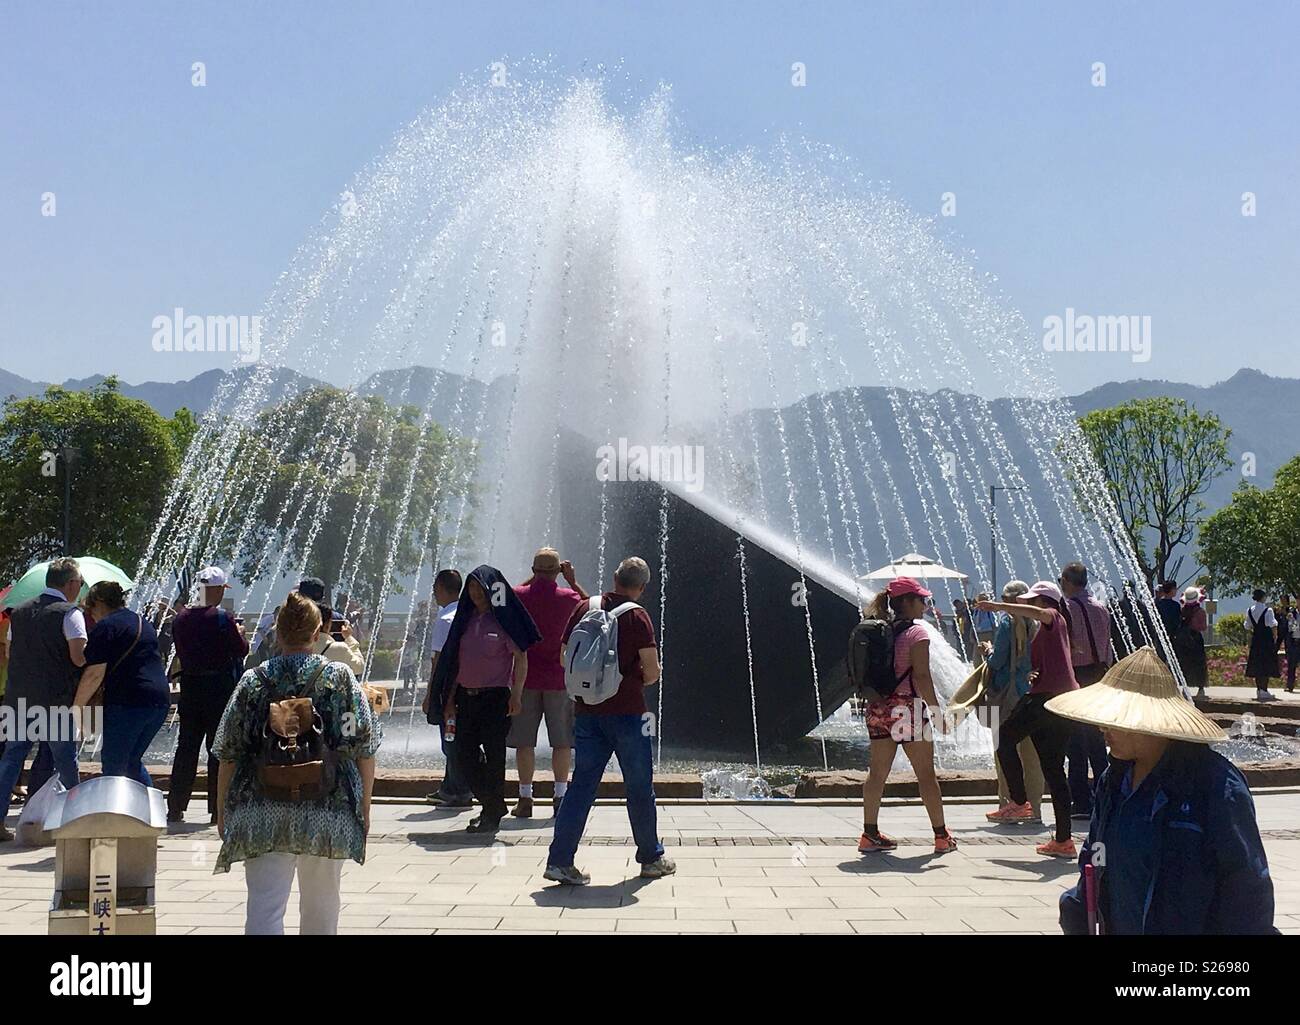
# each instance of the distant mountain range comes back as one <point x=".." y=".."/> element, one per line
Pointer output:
<point x="1262" y="411"/>
<point x="197" y="393"/>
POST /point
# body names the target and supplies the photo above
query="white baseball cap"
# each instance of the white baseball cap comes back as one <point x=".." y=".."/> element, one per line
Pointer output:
<point x="213" y="576"/>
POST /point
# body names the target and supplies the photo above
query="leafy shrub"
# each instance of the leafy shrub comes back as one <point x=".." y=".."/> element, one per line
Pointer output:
<point x="1231" y="628"/>
<point x="384" y="666"/>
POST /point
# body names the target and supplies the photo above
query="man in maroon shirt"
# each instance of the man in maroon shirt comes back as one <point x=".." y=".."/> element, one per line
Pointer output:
<point x="210" y="646"/>
<point x="1091" y="656"/>
<point x="622" y="726"/>
<point x="544" y="695"/>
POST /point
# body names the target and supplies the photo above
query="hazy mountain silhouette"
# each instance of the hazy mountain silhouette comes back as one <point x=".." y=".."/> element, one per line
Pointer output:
<point x="1262" y="411"/>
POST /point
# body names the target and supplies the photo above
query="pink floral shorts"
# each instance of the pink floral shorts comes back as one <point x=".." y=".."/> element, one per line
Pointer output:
<point x="901" y="718"/>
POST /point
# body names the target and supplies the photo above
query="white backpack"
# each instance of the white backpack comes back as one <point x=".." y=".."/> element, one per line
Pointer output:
<point x="591" y="671"/>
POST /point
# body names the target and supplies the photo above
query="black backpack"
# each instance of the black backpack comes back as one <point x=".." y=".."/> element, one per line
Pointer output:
<point x="294" y="760"/>
<point x="871" y="658"/>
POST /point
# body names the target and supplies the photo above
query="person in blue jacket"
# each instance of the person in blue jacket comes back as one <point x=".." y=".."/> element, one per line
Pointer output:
<point x="1173" y="841"/>
<point x="1010" y="667"/>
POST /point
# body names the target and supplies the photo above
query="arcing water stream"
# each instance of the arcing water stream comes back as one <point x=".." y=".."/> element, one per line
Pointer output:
<point x="563" y="263"/>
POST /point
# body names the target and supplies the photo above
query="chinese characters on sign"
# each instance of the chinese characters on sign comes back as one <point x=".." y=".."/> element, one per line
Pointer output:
<point x="103" y="887"/>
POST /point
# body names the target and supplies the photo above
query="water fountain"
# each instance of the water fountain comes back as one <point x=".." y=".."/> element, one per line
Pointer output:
<point x="549" y="274"/>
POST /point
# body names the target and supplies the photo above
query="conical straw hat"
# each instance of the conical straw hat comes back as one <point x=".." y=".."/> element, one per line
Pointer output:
<point x="1138" y="694"/>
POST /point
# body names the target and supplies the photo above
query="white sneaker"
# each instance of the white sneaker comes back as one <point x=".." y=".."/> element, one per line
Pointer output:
<point x="1263" y="695"/>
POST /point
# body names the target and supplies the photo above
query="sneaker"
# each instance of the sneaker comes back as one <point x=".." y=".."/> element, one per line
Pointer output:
<point x="569" y="875"/>
<point x="1263" y="695"/>
<point x="658" y="868"/>
<point x="1012" y="812"/>
<point x="944" y="844"/>
<point x="1058" y="849"/>
<point x="524" y="809"/>
<point x="175" y="816"/>
<point x="483" y="824"/>
<point x="5" y="835"/>
<point x="871" y="844"/>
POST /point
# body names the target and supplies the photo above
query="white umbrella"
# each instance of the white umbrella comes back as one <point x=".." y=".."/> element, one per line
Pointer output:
<point x="918" y="567"/>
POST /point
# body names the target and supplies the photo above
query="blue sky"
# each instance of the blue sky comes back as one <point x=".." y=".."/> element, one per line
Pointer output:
<point x="1114" y="200"/>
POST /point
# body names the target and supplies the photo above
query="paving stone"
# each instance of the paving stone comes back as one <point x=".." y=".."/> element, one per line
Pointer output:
<point x="733" y="914"/>
<point x="919" y="925"/>
<point x="843" y="914"/>
<point x="680" y="926"/>
<point x="742" y="869"/>
<point x="819" y="927"/>
<point x="441" y="922"/>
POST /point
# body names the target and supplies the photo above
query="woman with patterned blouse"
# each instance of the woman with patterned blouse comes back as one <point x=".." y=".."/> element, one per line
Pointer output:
<point x="274" y="838"/>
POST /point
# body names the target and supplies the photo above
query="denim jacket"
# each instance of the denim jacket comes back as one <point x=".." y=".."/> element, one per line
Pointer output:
<point x="1000" y="661"/>
<point x="1210" y="874"/>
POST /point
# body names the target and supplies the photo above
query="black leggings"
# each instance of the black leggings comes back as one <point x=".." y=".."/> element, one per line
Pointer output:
<point x="1050" y="735"/>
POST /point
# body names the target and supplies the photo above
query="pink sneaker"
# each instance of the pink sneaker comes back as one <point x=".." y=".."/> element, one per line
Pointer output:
<point x="1011" y="812"/>
<point x="1058" y="849"/>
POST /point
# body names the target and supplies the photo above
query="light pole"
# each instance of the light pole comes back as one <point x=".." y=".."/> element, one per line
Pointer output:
<point x="993" y="530"/>
<point x="67" y="453"/>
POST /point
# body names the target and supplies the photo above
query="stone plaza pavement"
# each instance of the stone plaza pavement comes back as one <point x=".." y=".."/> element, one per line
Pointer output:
<point x="776" y="867"/>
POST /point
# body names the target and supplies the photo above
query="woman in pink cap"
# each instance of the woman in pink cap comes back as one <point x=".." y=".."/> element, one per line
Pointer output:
<point x="1052" y="674"/>
<point x="903" y="717"/>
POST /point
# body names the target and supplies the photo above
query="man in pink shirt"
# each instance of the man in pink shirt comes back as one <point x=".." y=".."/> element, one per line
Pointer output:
<point x="1090" y="655"/>
<point x="551" y="607"/>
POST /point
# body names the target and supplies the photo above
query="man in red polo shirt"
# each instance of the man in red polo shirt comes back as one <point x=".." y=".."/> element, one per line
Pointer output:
<point x="551" y="607"/>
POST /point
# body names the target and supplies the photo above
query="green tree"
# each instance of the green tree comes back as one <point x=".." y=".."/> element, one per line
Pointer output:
<point x="1159" y="457"/>
<point x="116" y="457"/>
<point x="1250" y="542"/>
<point x="290" y="451"/>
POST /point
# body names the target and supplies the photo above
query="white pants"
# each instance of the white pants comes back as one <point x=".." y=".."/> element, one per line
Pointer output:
<point x="270" y="878"/>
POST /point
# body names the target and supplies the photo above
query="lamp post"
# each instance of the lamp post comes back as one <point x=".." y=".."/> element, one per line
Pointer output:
<point x="66" y="454"/>
<point x="993" y="530"/>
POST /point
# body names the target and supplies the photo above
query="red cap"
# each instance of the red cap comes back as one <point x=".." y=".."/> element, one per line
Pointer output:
<point x="900" y="586"/>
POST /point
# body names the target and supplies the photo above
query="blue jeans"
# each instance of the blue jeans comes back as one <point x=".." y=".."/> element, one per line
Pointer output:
<point x="595" y="738"/>
<point x="453" y="785"/>
<point x="11" y="766"/>
<point x="128" y="732"/>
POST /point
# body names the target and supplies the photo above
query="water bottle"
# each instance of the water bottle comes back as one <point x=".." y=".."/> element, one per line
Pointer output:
<point x="449" y="728"/>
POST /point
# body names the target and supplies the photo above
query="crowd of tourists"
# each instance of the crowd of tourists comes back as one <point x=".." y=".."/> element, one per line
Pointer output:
<point x="1272" y="630"/>
<point x="292" y="734"/>
<point x="1172" y="844"/>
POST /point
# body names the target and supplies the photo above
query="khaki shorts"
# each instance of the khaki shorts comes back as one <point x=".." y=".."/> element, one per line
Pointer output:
<point x="556" y="706"/>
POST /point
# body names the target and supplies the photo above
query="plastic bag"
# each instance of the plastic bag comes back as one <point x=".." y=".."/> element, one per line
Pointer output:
<point x="31" y="823"/>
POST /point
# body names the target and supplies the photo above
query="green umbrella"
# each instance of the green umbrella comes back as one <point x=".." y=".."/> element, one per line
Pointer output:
<point x="93" y="570"/>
